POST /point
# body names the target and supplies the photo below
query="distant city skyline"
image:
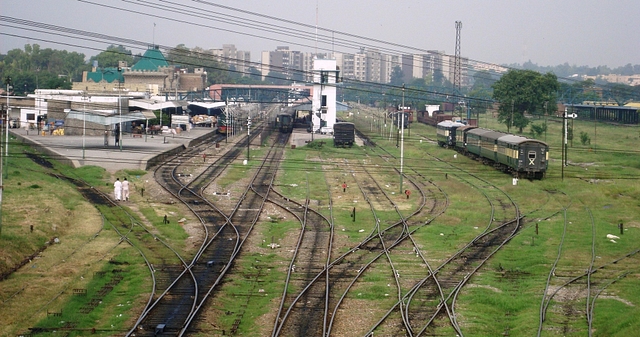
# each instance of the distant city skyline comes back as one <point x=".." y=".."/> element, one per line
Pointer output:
<point x="548" y="33"/>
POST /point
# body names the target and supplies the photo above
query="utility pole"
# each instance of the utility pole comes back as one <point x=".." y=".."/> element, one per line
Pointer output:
<point x="510" y="119"/>
<point x="402" y="141"/>
<point x="457" y="72"/>
<point x="119" y="109"/>
<point x="8" y="82"/>
<point x="84" y="120"/>
<point x="226" y="118"/>
<point x="6" y="141"/>
<point x="546" y="119"/>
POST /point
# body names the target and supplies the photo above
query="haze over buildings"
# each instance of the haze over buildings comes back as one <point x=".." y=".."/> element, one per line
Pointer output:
<point x="545" y="32"/>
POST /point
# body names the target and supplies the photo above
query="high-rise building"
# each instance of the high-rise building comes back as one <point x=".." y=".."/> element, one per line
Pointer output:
<point x="368" y="65"/>
<point x="387" y="64"/>
<point x="346" y="64"/>
<point x="237" y="59"/>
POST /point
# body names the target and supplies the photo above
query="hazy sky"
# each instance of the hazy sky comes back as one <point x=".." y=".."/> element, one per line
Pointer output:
<point x="546" y="32"/>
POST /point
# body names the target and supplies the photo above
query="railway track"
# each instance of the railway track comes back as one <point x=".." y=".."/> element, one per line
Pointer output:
<point x="302" y="313"/>
<point x="225" y="234"/>
<point x="151" y="248"/>
<point x="163" y="261"/>
<point x="569" y="298"/>
<point x="436" y="293"/>
<point x="386" y="241"/>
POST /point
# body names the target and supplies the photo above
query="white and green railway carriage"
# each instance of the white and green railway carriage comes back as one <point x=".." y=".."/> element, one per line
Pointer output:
<point x="446" y="133"/>
<point x="521" y="156"/>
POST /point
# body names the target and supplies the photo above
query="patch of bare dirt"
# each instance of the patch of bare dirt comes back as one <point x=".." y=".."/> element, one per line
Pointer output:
<point x="483" y="286"/>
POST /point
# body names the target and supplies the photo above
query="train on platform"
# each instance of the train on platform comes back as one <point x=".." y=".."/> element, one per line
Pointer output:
<point x="344" y="134"/>
<point x="521" y="156"/>
<point x="222" y="124"/>
<point x="284" y="122"/>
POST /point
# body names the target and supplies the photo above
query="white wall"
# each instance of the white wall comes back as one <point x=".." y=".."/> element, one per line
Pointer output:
<point x="327" y="89"/>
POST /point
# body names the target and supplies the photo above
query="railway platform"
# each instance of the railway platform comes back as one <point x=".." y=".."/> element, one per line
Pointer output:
<point x="300" y="137"/>
<point x="139" y="152"/>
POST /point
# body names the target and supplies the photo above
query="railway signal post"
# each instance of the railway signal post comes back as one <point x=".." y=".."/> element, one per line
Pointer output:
<point x="248" y="135"/>
<point x="565" y="117"/>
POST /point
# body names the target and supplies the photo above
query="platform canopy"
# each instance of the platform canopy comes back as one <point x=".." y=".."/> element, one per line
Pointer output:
<point x="209" y="105"/>
<point x="152" y="104"/>
<point x="109" y="117"/>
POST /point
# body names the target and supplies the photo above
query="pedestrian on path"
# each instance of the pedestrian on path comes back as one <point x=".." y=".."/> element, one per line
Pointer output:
<point x="125" y="190"/>
<point x="117" y="189"/>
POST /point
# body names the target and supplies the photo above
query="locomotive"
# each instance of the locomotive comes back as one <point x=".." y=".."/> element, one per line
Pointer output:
<point x="222" y="124"/>
<point x="284" y="122"/>
<point x="521" y="156"/>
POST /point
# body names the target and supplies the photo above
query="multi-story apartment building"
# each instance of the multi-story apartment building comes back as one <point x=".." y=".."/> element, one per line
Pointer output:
<point x="366" y="65"/>
<point x="229" y="55"/>
<point x="282" y="60"/>
<point x="387" y="64"/>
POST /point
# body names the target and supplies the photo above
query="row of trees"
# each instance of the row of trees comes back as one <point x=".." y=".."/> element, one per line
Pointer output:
<point x="566" y="70"/>
<point x="34" y="68"/>
<point x="37" y="68"/>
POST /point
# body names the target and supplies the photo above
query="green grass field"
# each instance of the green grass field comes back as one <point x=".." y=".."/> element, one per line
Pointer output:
<point x="601" y="178"/>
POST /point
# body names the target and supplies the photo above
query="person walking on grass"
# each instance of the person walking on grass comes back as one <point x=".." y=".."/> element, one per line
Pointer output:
<point x="125" y="190"/>
<point x="117" y="189"/>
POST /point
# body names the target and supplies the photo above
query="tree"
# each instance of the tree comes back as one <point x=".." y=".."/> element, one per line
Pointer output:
<point x="620" y="93"/>
<point x="276" y="78"/>
<point x="183" y="57"/>
<point x="112" y="56"/>
<point x="396" y="77"/>
<point x="438" y="77"/>
<point x="483" y="79"/>
<point x="523" y="91"/>
<point x="578" y="92"/>
<point x="584" y="138"/>
<point x="538" y="130"/>
<point x="255" y="75"/>
<point x="479" y="99"/>
<point x="42" y="68"/>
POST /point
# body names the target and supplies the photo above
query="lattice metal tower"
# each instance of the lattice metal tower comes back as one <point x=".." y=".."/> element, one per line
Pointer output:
<point x="456" y="67"/>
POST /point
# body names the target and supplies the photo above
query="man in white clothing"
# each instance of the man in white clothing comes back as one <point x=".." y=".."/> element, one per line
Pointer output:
<point x="125" y="190"/>
<point x="117" y="189"/>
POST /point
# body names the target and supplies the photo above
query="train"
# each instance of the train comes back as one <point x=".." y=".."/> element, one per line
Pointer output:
<point x="344" y="134"/>
<point x="521" y="156"/>
<point x="433" y="118"/>
<point x="284" y="122"/>
<point x="222" y="124"/>
<point x="446" y="133"/>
